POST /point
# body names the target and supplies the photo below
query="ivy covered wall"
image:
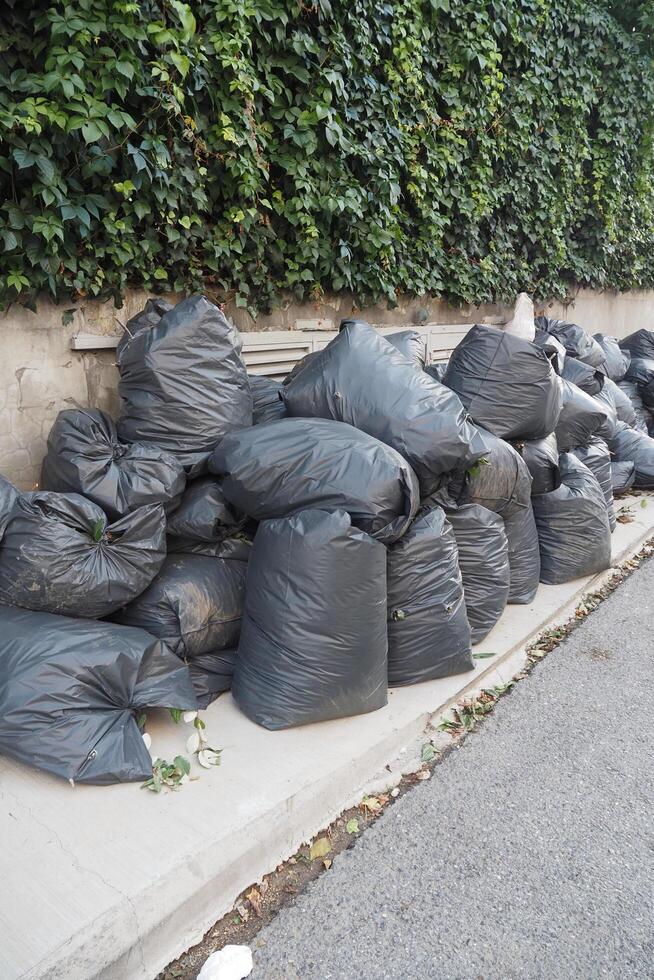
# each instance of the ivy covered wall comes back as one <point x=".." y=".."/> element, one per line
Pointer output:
<point x="468" y="148"/>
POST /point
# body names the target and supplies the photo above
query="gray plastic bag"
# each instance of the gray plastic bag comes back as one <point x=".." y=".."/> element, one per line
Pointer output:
<point x="71" y="690"/>
<point x="428" y="631"/>
<point x="542" y="459"/>
<point x="313" y="644"/>
<point x="361" y="379"/>
<point x="617" y="360"/>
<point x="211" y="675"/>
<point x="60" y="555"/>
<point x="237" y="548"/>
<point x="194" y="605"/>
<point x="407" y="342"/>
<point x="641" y="372"/>
<point x="608" y="399"/>
<point x="589" y="379"/>
<point x="597" y="458"/>
<point x="582" y="416"/>
<point x="275" y="469"/>
<point x="204" y="514"/>
<point x="266" y="402"/>
<point x="574" y="338"/>
<point x="640" y="416"/>
<point x="184" y="384"/>
<point x="613" y="394"/>
<point x="623" y="476"/>
<point x="573" y="525"/>
<point x="148" y="318"/>
<point x="437" y="371"/>
<point x="8" y="496"/>
<point x="631" y="446"/>
<point x="639" y="344"/>
<point x="503" y="484"/>
<point x="552" y="348"/>
<point x="84" y="456"/>
<point x="484" y="564"/>
<point x="507" y="384"/>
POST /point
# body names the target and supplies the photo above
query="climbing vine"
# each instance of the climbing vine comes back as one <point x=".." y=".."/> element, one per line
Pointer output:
<point x="255" y="147"/>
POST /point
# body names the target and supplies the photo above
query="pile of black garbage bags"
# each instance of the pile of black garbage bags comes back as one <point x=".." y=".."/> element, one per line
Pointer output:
<point x="306" y="544"/>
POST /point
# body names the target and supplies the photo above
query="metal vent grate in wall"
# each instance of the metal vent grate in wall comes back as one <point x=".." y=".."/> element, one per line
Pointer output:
<point x="274" y="353"/>
<point x="273" y="360"/>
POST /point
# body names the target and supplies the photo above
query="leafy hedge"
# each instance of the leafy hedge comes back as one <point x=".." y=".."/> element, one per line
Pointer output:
<point x="469" y="148"/>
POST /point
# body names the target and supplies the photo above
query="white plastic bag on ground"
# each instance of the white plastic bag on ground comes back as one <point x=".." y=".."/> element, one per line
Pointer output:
<point x="229" y="963"/>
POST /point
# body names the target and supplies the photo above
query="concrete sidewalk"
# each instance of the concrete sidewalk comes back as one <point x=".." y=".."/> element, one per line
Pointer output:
<point x="115" y="882"/>
<point x="530" y="852"/>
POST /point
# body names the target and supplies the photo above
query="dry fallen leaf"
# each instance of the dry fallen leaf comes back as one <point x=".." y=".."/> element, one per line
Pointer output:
<point x="319" y="848"/>
<point x="327" y="862"/>
<point x="371" y="803"/>
<point x="254" y="898"/>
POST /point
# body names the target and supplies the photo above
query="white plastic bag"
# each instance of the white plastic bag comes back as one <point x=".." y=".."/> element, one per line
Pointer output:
<point x="229" y="963"/>
<point x="522" y="325"/>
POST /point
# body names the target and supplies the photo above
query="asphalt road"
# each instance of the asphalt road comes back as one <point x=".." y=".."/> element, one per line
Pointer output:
<point x="528" y="854"/>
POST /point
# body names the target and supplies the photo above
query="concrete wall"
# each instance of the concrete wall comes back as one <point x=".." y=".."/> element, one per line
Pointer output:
<point x="40" y="374"/>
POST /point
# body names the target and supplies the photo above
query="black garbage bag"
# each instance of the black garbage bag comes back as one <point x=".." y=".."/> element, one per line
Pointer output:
<point x="589" y="379"/>
<point x="609" y="401"/>
<point x="623" y="476"/>
<point x="8" y="496"/>
<point x="597" y="458"/>
<point x="71" y="690"/>
<point x="60" y="555"/>
<point x="574" y="338"/>
<point x="502" y="483"/>
<point x="542" y="459"/>
<point x="300" y="366"/>
<point x="507" y="384"/>
<point x="617" y="360"/>
<point x="148" y="317"/>
<point x="582" y="416"/>
<point x="437" y="371"/>
<point x="84" y="456"/>
<point x="211" y="675"/>
<point x="266" y="402"/>
<point x="636" y="447"/>
<point x="428" y="631"/>
<point x="407" y="342"/>
<point x="641" y="372"/>
<point x="313" y="644"/>
<point x="204" y="514"/>
<point x="613" y="395"/>
<point x="359" y="378"/>
<point x="639" y="344"/>
<point x="639" y="416"/>
<point x="553" y="349"/>
<point x="294" y="464"/>
<point x="194" y="604"/>
<point x="573" y="525"/>
<point x="484" y="564"/>
<point x="237" y="548"/>
<point x="184" y="384"/>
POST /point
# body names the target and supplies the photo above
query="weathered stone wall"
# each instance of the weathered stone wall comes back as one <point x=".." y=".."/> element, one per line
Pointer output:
<point x="40" y="374"/>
